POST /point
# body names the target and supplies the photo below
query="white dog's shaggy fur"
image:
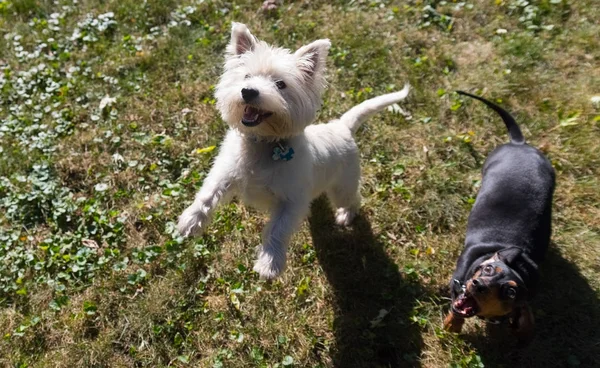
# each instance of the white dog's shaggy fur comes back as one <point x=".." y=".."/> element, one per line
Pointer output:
<point x="269" y="96"/>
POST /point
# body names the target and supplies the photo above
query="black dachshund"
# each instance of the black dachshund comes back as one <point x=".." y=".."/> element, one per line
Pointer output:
<point x="508" y="233"/>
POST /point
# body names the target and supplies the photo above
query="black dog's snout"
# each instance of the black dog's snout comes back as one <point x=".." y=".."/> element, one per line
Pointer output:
<point x="249" y="94"/>
<point x="478" y="285"/>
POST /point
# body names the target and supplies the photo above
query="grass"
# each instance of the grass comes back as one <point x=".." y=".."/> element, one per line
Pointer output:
<point x="93" y="274"/>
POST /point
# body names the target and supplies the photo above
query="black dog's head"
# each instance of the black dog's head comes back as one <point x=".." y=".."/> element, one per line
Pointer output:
<point x="495" y="289"/>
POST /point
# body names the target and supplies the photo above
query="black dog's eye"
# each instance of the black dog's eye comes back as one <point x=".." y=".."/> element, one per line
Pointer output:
<point x="280" y="84"/>
<point x="488" y="270"/>
<point x="247" y="76"/>
<point x="511" y="293"/>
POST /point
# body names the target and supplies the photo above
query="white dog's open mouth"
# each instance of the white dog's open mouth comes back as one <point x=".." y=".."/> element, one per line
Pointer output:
<point x="253" y="116"/>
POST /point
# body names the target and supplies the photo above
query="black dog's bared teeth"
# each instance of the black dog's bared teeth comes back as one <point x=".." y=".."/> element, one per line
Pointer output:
<point x="465" y="305"/>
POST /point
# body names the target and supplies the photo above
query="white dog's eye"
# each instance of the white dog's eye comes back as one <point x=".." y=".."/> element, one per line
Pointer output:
<point x="280" y="84"/>
<point x="247" y="76"/>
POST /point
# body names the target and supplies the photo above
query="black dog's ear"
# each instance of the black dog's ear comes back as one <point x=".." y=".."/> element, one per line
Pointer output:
<point x="509" y="255"/>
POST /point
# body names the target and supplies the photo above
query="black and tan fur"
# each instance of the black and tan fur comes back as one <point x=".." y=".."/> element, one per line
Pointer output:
<point x="508" y="233"/>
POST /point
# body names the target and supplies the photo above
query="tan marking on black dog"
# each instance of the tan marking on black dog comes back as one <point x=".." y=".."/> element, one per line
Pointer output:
<point x="490" y="304"/>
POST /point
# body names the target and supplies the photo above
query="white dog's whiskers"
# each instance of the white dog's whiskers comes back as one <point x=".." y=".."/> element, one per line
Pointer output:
<point x="272" y="157"/>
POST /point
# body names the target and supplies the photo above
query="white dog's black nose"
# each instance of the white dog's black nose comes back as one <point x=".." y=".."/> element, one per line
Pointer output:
<point x="249" y="94"/>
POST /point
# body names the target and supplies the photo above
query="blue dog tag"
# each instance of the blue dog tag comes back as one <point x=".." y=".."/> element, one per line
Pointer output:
<point x="283" y="153"/>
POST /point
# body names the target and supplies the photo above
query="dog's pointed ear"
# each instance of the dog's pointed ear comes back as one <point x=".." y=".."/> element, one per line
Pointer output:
<point x="242" y="40"/>
<point x="312" y="57"/>
<point x="509" y="255"/>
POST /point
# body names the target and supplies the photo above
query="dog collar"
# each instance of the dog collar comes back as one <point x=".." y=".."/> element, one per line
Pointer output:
<point x="281" y="151"/>
<point x="495" y="320"/>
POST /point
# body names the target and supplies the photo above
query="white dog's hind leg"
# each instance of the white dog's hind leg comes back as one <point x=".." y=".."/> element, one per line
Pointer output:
<point x="217" y="188"/>
<point x="348" y="206"/>
<point x="345" y="194"/>
<point x="345" y="215"/>
<point x="285" y="219"/>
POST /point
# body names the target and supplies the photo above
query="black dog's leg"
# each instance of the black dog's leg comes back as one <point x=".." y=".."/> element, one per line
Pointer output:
<point x="522" y="325"/>
<point x="453" y="323"/>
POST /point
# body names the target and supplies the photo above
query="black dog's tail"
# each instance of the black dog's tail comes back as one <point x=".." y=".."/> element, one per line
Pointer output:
<point x="513" y="129"/>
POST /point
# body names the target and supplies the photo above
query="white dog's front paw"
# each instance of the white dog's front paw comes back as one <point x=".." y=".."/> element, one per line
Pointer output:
<point x="270" y="265"/>
<point x="191" y="221"/>
<point x="344" y="216"/>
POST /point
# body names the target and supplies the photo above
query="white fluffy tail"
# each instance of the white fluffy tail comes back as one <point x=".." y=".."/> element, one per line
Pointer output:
<point x="357" y="115"/>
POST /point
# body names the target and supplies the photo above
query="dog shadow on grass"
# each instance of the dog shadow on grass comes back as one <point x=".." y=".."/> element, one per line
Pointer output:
<point x="567" y="323"/>
<point x="366" y="285"/>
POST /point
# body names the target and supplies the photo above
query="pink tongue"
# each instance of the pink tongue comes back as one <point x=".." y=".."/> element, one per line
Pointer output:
<point x="251" y="113"/>
<point x="465" y="305"/>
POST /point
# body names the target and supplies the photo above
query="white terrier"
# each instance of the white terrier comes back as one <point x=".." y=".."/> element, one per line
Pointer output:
<point x="271" y="157"/>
